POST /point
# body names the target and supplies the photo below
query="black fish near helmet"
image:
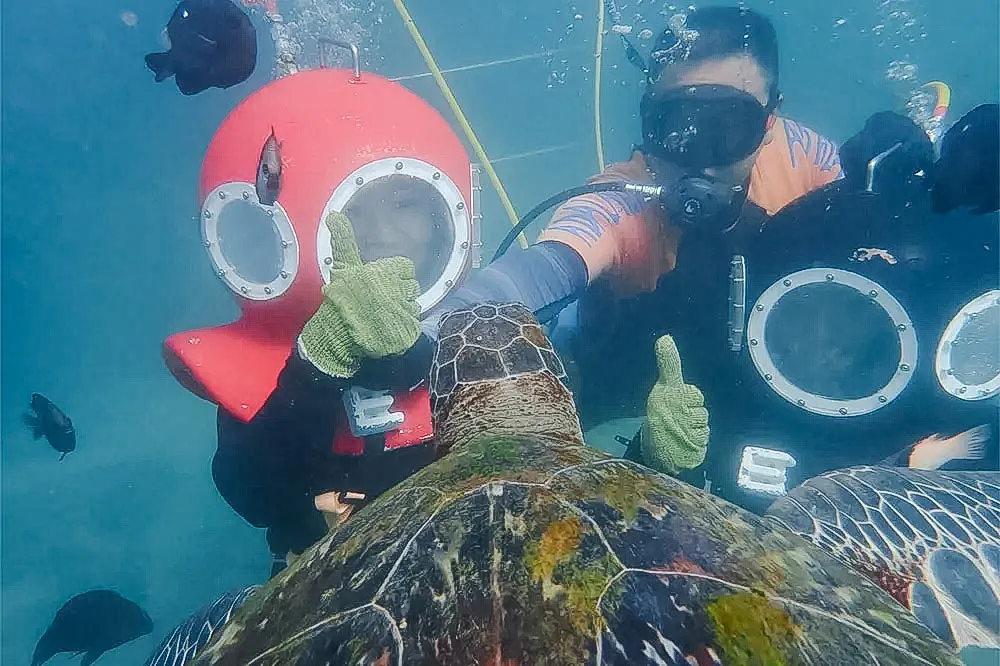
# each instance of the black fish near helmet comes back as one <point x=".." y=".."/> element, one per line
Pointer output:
<point x="213" y="44"/>
<point x="709" y="104"/>
<point x="48" y="421"/>
<point x="92" y="623"/>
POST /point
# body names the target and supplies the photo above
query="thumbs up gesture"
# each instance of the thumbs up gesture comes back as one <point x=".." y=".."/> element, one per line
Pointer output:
<point x="368" y="310"/>
<point x="675" y="432"/>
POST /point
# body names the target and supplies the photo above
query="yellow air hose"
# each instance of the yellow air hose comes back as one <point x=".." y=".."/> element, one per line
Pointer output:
<point x="457" y="110"/>
<point x="597" y="86"/>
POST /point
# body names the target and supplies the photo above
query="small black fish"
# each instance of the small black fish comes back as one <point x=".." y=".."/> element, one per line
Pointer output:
<point x="269" y="171"/>
<point x="93" y="622"/>
<point x="212" y="44"/>
<point x="47" y="420"/>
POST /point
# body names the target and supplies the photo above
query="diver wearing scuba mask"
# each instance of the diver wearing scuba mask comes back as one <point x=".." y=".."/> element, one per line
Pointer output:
<point x="711" y="146"/>
<point x="700" y="142"/>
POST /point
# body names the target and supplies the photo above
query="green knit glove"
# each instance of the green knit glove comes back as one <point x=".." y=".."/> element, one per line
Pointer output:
<point x="368" y="310"/>
<point x="675" y="432"/>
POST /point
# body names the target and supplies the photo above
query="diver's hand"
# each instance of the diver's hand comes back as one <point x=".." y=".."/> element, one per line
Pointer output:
<point x="368" y="310"/>
<point x="881" y="132"/>
<point x="675" y="433"/>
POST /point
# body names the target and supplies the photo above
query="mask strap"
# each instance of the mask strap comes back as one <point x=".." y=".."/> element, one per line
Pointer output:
<point x="776" y="99"/>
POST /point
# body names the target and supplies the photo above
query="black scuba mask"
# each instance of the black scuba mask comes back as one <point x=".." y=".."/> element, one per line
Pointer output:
<point x="703" y="126"/>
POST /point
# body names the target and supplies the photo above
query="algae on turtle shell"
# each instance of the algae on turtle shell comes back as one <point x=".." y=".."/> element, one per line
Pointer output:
<point x="522" y="546"/>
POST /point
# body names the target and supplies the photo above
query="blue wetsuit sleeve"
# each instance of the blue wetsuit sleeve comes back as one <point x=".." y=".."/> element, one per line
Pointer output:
<point x="545" y="278"/>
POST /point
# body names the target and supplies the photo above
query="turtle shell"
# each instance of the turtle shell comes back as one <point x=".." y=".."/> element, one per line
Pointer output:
<point x="530" y="549"/>
<point x="488" y="343"/>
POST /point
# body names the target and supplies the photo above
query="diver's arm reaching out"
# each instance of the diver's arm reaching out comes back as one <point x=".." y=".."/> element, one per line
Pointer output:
<point x="545" y="277"/>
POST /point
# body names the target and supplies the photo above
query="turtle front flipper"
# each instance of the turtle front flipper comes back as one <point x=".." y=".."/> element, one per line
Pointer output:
<point x="931" y="539"/>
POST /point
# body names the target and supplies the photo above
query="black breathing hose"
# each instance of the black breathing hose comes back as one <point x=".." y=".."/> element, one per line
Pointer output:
<point x="616" y="186"/>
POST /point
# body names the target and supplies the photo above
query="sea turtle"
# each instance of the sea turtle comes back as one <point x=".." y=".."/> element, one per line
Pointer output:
<point x="521" y="545"/>
<point x="929" y="538"/>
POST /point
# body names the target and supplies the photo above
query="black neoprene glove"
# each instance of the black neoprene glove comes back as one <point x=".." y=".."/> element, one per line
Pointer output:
<point x="881" y="132"/>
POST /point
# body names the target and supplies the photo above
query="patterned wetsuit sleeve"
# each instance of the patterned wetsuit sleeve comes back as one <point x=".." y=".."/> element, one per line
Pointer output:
<point x="598" y="227"/>
<point x="542" y="277"/>
<point x="817" y="157"/>
<point x="607" y="229"/>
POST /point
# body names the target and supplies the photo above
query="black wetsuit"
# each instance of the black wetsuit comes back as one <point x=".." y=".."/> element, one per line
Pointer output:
<point x="270" y="469"/>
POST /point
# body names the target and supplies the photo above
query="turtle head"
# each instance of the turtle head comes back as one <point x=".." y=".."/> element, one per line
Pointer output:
<point x="495" y="372"/>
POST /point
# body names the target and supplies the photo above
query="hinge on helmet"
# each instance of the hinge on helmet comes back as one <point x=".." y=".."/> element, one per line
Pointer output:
<point x="476" y="217"/>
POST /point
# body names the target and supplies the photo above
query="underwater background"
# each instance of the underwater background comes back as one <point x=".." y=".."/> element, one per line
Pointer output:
<point x="101" y="258"/>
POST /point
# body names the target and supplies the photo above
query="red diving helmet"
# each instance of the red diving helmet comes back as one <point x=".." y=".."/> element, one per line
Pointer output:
<point x="351" y="142"/>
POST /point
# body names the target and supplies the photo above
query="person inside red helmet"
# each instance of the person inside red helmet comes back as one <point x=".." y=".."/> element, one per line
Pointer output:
<point x="301" y="425"/>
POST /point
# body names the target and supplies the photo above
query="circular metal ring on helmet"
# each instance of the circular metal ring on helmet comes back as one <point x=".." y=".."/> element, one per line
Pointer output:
<point x="458" y="214"/>
<point x="903" y="335"/>
<point x="253" y="247"/>
<point x="967" y="360"/>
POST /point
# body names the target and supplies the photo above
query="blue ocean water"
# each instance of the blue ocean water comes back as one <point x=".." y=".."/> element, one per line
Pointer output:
<point x="101" y="256"/>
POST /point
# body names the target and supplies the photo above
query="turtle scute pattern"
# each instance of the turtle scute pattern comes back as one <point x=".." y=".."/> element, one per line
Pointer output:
<point x="931" y="539"/>
<point x="488" y="343"/>
<point x="190" y="636"/>
<point x="528" y="549"/>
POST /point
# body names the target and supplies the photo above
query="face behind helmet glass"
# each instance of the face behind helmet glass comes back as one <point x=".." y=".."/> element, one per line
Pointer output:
<point x="399" y="215"/>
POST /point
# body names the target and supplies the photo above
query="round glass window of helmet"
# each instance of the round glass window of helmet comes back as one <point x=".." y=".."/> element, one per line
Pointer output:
<point x="967" y="362"/>
<point x="832" y="342"/>
<point x="250" y="242"/>
<point x="401" y="215"/>
<point x="253" y="247"/>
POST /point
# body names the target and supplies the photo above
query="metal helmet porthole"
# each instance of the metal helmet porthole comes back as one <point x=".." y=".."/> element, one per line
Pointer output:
<point x="832" y="342"/>
<point x="451" y="232"/>
<point x="252" y="247"/>
<point x="967" y="360"/>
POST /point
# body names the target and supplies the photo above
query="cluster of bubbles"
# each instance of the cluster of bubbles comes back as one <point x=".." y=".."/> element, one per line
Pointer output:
<point x="919" y="106"/>
<point x="898" y="28"/>
<point x="639" y="21"/>
<point x="559" y="68"/>
<point x="296" y="28"/>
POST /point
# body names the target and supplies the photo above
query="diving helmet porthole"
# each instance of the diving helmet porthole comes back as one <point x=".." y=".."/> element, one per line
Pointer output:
<point x="832" y="342"/>
<point x="253" y="248"/>
<point x="400" y="215"/>
<point x="249" y="241"/>
<point x="967" y="362"/>
<point x="407" y="207"/>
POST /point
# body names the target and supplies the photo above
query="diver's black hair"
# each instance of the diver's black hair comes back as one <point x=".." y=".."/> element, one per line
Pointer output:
<point x="721" y="31"/>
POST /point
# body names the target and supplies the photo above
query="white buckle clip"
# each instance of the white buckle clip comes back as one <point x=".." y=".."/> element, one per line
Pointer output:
<point x="763" y="470"/>
<point x="368" y="411"/>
